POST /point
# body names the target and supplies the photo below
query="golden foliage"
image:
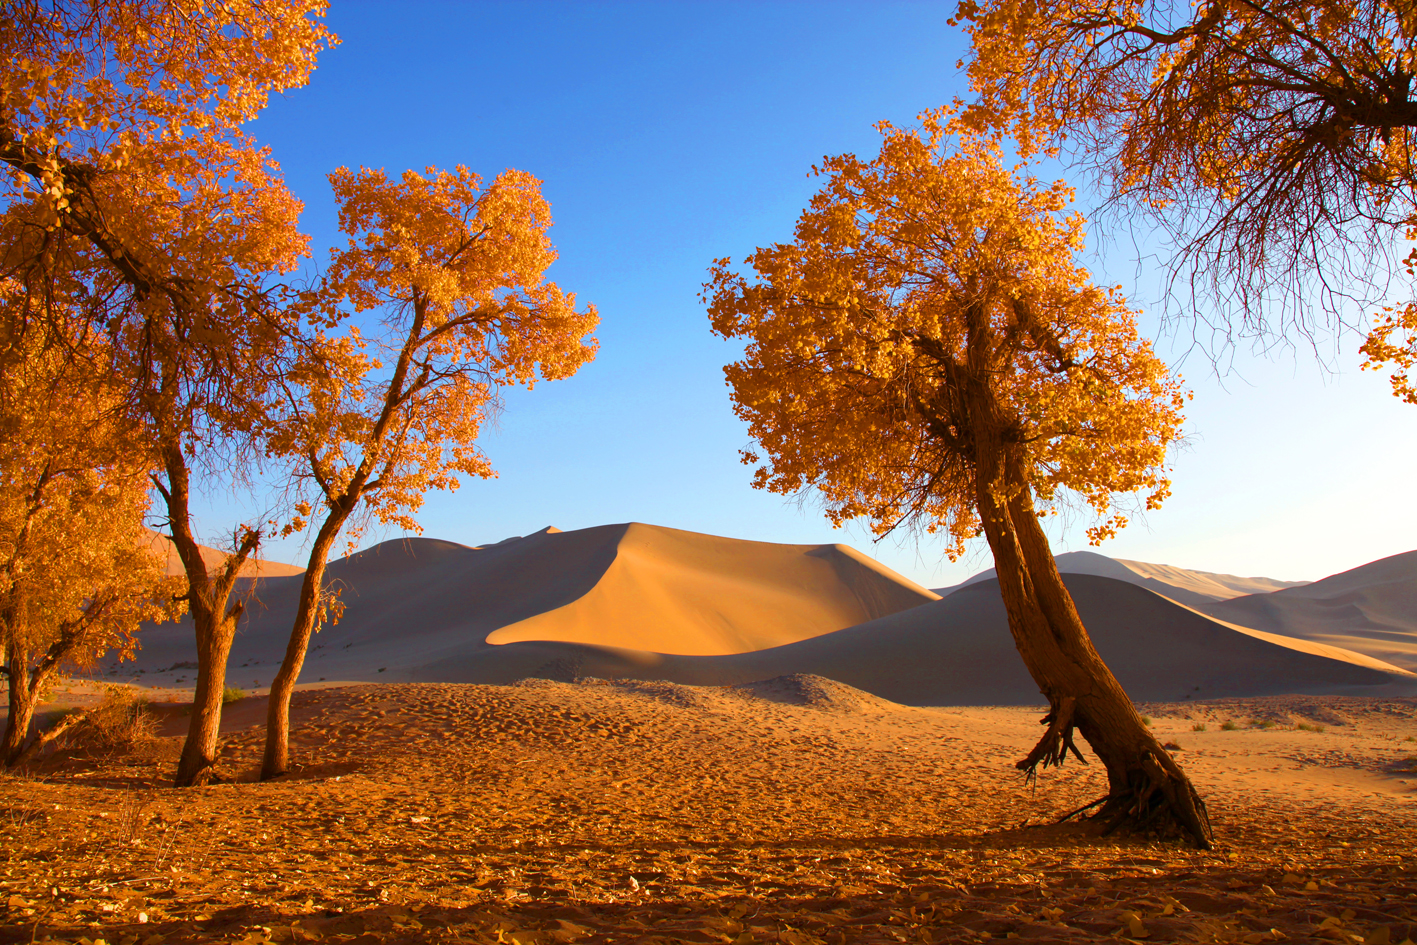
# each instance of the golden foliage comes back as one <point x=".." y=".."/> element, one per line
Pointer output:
<point x="456" y="274"/>
<point x="1392" y="342"/>
<point x="132" y="187"/>
<point x="928" y="321"/>
<point x="134" y="201"/>
<point x="78" y="572"/>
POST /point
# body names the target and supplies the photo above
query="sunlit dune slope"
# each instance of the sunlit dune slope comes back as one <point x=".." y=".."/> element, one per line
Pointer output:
<point x="672" y="591"/>
<point x="636" y="587"/>
<point x="958" y="651"/>
<point x="1371" y="609"/>
<point x="254" y="567"/>
<point x="1183" y="585"/>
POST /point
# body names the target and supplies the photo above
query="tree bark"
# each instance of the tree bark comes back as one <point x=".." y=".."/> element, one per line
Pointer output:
<point x="21" y="704"/>
<point x="215" y="632"/>
<point x="212" y="620"/>
<point x="1145" y="785"/>
<point x="276" y="760"/>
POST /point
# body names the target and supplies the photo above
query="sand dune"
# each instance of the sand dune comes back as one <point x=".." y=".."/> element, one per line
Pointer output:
<point x="638" y="601"/>
<point x="958" y="651"/>
<point x="254" y="567"/>
<point x="623" y="587"/>
<point x="1371" y="609"/>
<point x="1184" y="586"/>
<point x="672" y="591"/>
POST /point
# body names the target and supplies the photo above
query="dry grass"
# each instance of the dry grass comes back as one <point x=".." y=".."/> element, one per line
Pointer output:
<point x="119" y="724"/>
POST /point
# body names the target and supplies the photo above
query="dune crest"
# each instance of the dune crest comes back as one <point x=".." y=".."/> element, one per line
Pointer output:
<point x="1371" y="609"/>
<point x="254" y="567"/>
<point x="684" y="593"/>
<point x="1182" y="585"/>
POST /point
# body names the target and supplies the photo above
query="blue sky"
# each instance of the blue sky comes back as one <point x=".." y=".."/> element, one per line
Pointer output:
<point x="668" y="134"/>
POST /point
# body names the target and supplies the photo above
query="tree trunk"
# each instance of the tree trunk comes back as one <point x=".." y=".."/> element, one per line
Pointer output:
<point x="215" y="633"/>
<point x="213" y="622"/>
<point x="1145" y="785"/>
<point x="276" y="760"/>
<point x="22" y="700"/>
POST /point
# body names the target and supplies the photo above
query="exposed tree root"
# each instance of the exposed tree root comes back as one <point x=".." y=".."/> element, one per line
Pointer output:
<point x="1053" y="747"/>
<point x="36" y="747"/>
<point x="1084" y="808"/>
<point x="201" y="778"/>
<point x="1156" y="794"/>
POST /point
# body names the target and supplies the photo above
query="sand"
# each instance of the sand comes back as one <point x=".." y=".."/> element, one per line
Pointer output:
<point x="792" y="810"/>
<point x="1183" y="585"/>
<point x="1371" y="609"/>
<point x="213" y="558"/>
<point x="639" y="601"/>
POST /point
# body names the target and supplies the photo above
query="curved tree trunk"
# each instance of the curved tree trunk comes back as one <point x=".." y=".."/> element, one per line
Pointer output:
<point x="276" y="760"/>
<point x="1145" y="785"/>
<point x="22" y="700"/>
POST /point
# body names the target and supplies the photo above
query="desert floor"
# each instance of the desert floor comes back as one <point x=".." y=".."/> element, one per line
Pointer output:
<point x="800" y="812"/>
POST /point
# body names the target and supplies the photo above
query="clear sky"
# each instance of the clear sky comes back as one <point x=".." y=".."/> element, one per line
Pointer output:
<point x="668" y="134"/>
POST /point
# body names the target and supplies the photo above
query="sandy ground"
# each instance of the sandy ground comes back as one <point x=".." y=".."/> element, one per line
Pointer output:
<point x="799" y="812"/>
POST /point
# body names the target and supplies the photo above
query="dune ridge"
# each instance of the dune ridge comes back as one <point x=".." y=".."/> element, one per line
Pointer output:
<point x="1182" y="585"/>
<point x="635" y="601"/>
<point x="254" y="567"/>
<point x="1371" y="609"/>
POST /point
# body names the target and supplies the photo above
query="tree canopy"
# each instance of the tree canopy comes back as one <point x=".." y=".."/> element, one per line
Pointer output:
<point x="457" y="276"/>
<point x="927" y="350"/>
<point x="913" y="277"/>
<point x="78" y="572"/>
<point x="136" y="201"/>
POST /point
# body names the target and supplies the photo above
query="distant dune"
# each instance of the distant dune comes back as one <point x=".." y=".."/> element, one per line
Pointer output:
<point x="254" y="567"/>
<point x="1184" y="586"/>
<point x="630" y="587"/>
<point x="1371" y="609"/>
<point x="639" y="601"/>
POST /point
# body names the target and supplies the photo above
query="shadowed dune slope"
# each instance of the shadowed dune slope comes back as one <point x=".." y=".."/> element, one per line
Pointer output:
<point x="1371" y="609"/>
<point x="641" y="602"/>
<point x="958" y="651"/>
<point x="1184" y="586"/>
<point x="636" y="587"/>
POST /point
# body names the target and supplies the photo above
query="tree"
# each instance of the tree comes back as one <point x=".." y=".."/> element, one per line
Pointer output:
<point x="1393" y="341"/>
<point x="1273" y="137"/>
<point x="457" y="275"/>
<point x="926" y="352"/>
<point x="147" y="204"/>
<point x="78" y="575"/>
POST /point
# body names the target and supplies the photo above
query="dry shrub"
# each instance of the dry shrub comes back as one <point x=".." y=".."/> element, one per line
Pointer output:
<point x="119" y="724"/>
